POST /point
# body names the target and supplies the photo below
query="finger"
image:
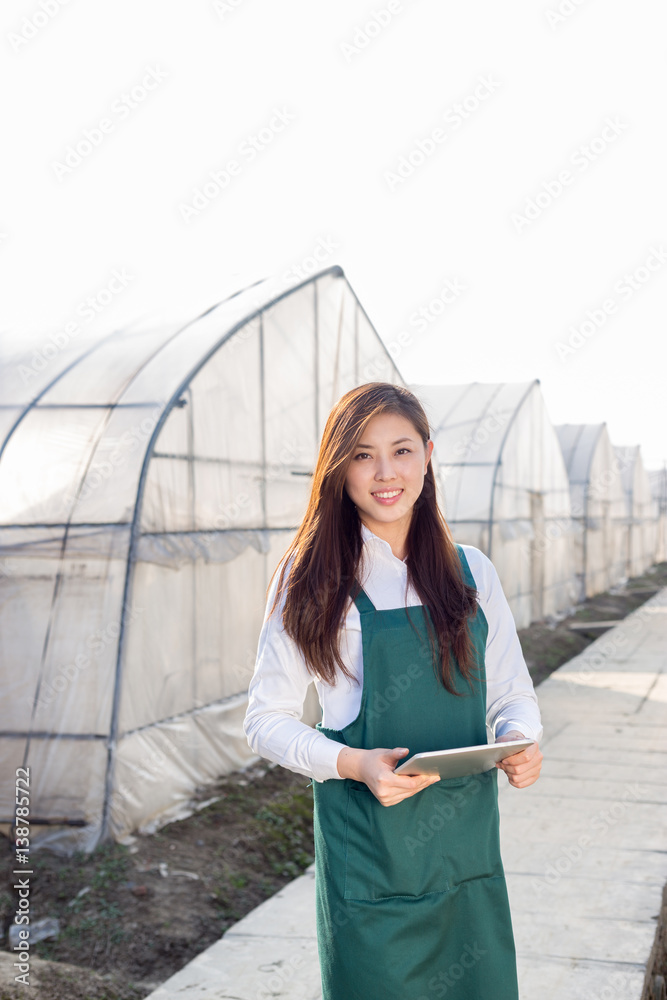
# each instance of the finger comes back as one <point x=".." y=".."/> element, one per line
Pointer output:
<point x="420" y="783"/>
<point x="516" y="758"/>
<point x="521" y="770"/>
<point x="520" y="760"/>
<point x="523" y="774"/>
<point x="415" y="781"/>
<point x="524" y="754"/>
<point x="532" y="761"/>
<point x="524" y="782"/>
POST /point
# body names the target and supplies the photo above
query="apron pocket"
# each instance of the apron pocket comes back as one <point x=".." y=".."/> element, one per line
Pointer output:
<point x="445" y="835"/>
<point x="385" y="855"/>
<point x="469" y="832"/>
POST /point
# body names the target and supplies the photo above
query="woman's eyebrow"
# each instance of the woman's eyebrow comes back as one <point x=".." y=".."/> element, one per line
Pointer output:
<point x="393" y="443"/>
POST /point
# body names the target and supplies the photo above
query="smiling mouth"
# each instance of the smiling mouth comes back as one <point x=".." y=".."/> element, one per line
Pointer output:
<point x="386" y="494"/>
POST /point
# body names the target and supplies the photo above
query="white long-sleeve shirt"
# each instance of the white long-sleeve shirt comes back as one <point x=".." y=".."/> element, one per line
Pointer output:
<point x="280" y="680"/>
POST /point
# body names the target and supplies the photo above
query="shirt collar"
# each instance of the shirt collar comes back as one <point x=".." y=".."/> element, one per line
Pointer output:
<point x="368" y="536"/>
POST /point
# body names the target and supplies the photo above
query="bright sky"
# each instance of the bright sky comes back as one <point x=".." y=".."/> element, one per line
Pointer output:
<point x="500" y="168"/>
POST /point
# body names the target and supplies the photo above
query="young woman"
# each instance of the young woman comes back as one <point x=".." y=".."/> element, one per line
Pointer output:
<point x="413" y="647"/>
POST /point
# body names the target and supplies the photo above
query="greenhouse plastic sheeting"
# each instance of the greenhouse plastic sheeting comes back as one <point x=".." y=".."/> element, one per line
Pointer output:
<point x="150" y="482"/>
<point x="598" y="506"/>
<point x="505" y="489"/>
<point x="641" y="509"/>
<point x="658" y="482"/>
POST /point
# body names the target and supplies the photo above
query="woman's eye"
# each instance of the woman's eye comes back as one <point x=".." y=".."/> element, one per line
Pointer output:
<point x="364" y="454"/>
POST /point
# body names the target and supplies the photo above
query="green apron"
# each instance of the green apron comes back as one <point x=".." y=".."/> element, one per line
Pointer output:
<point x="411" y="900"/>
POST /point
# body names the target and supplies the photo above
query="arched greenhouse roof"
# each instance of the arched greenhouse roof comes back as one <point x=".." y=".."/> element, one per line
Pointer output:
<point x="598" y="505"/>
<point x="505" y="488"/>
<point x="150" y="481"/>
<point x="578" y="443"/>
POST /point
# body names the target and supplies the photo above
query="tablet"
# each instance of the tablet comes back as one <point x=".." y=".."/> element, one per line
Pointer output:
<point x="461" y="761"/>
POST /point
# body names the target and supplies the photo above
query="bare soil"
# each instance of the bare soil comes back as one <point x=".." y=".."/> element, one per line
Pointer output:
<point x="132" y="916"/>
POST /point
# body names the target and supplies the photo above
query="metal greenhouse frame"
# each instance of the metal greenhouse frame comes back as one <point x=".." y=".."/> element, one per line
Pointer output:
<point x="598" y="506"/>
<point x="505" y="488"/>
<point x="150" y="481"/>
<point x="641" y="509"/>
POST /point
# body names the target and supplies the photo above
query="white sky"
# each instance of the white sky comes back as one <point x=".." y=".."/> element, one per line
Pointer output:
<point x="220" y="75"/>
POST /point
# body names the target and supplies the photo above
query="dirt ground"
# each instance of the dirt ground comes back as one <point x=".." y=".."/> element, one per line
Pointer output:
<point x="132" y="916"/>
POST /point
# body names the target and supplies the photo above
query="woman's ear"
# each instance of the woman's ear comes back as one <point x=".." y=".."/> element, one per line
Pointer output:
<point x="429" y="452"/>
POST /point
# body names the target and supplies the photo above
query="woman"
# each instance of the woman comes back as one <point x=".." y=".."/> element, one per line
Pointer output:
<point x="376" y="602"/>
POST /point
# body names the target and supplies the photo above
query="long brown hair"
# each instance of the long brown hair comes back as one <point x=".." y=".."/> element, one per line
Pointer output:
<point x="327" y="548"/>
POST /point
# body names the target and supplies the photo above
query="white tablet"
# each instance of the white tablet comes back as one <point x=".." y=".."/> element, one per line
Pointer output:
<point x="461" y="761"/>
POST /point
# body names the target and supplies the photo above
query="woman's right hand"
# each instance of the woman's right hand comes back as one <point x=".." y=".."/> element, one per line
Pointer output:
<point x="376" y="769"/>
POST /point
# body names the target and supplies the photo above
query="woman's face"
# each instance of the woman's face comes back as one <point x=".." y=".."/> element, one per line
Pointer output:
<point x="386" y="473"/>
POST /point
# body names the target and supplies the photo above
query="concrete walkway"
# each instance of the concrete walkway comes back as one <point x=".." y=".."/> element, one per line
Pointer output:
<point x="585" y="848"/>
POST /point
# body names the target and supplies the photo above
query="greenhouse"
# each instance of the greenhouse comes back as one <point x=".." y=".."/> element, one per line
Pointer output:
<point x="150" y="482"/>
<point x="658" y="480"/>
<point x="598" y="506"/>
<point x="505" y="488"/>
<point x="641" y="511"/>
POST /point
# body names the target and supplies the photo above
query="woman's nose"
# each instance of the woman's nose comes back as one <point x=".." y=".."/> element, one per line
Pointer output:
<point x="385" y="470"/>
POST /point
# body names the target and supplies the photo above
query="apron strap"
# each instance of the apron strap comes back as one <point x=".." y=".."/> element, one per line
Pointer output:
<point x="362" y="600"/>
<point x="465" y="567"/>
<point x="364" y="603"/>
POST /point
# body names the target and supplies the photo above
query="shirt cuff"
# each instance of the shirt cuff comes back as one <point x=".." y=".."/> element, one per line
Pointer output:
<point x="326" y="765"/>
<point x="521" y="726"/>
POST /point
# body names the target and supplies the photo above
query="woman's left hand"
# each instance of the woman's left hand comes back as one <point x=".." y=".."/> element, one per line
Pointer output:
<point x="522" y="768"/>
